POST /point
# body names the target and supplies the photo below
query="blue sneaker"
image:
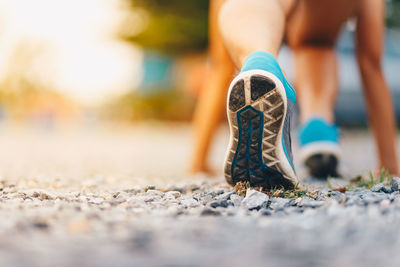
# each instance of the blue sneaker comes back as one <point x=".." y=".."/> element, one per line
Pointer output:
<point x="260" y="106"/>
<point x="319" y="148"/>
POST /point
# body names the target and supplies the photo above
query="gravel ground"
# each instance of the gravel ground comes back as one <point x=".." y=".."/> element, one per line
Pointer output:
<point x="95" y="199"/>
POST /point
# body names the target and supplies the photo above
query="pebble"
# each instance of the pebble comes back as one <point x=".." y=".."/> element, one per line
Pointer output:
<point x="255" y="200"/>
<point x="236" y="200"/>
<point x="295" y="201"/>
<point x="210" y="212"/>
<point x="189" y="202"/>
<point x="338" y="196"/>
<point x="172" y="194"/>
<point x="311" y="203"/>
<point x="395" y="184"/>
<point x="279" y="203"/>
<point x="153" y="192"/>
<point x="96" y="200"/>
<point x="219" y="203"/>
<point x="152" y="198"/>
<point x="43" y="195"/>
<point x="380" y="188"/>
<point x="226" y="196"/>
<point x="266" y="213"/>
<point x="373" y="198"/>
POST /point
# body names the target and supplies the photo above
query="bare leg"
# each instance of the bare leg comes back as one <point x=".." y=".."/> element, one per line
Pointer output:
<point x="317" y="93"/>
<point x="312" y="36"/>
<point x="211" y="104"/>
<point x="312" y="32"/>
<point x="253" y="25"/>
<point x="379" y="103"/>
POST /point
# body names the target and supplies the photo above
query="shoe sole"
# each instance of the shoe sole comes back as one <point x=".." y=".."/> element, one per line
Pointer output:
<point x="256" y="108"/>
<point x="321" y="159"/>
<point x="322" y="165"/>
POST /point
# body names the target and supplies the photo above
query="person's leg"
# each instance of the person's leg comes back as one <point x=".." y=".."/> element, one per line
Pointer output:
<point x="312" y="32"/>
<point x="253" y="25"/>
<point x="317" y="85"/>
<point x="212" y="100"/>
<point x="317" y="82"/>
<point x="260" y="99"/>
<point x="370" y="37"/>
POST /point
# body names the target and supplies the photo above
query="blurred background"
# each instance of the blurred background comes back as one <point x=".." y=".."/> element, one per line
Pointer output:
<point x="132" y="60"/>
<point x="85" y="63"/>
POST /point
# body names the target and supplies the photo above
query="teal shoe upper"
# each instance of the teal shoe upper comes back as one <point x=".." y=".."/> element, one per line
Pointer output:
<point x="318" y="130"/>
<point x="261" y="60"/>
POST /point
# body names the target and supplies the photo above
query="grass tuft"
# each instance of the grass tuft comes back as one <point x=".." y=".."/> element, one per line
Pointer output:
<point x="361" y="182"/>
<point x="241" y="187"/>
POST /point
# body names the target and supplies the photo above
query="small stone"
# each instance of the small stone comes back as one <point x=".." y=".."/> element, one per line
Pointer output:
<point x="217" y="191"/>
<point x="43" y="195"/>
<point x="191" y="188"/>
<point x="255" y="200"/>
<point x="380" y="188"/>
<point x="394" y="195"/>
<point x="154" y="192"/>
<point x="295" y="202"/>
<point x="153" y="196"/>
<point x="41" y="224"/>
<point x="96" y="200"/>
<point x="210" y="212"/>
<point x="207" y="198"/>
<point x="121" y="196"/>
<point x="395" y="184"/>
<point x="219" y="203"/>
<point x="338" y="196"/>
<point x="172" y="194"/>
<point x="133" y="191"/>
<point x="311" y="203"/>
<point x="278" y="203"/>
<point x="189" y="202"/>
<point x="354" y="200"/>
<point x="149" y="187"/>
<point x="236" y="200"/>
<point x="266" y="213"/>
<point x="9" y="190"/>
<point x="373" y="198"/>
<point x="226" y="196"/>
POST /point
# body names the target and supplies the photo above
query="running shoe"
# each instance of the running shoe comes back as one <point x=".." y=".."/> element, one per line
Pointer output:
<point x="260" y="107"/>
<point x="319" y="148"/>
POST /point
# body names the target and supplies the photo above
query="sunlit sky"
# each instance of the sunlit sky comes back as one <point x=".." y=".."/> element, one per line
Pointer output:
<point x="79" y="53"/>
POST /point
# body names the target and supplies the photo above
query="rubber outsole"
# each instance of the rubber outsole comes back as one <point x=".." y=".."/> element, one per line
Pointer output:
<point x="256" y="115"/>
<point x="322" y="165"/>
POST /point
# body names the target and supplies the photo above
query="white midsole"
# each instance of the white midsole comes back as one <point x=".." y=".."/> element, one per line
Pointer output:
<point x="319" y="147"/>
<point x="284" y="163"/>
